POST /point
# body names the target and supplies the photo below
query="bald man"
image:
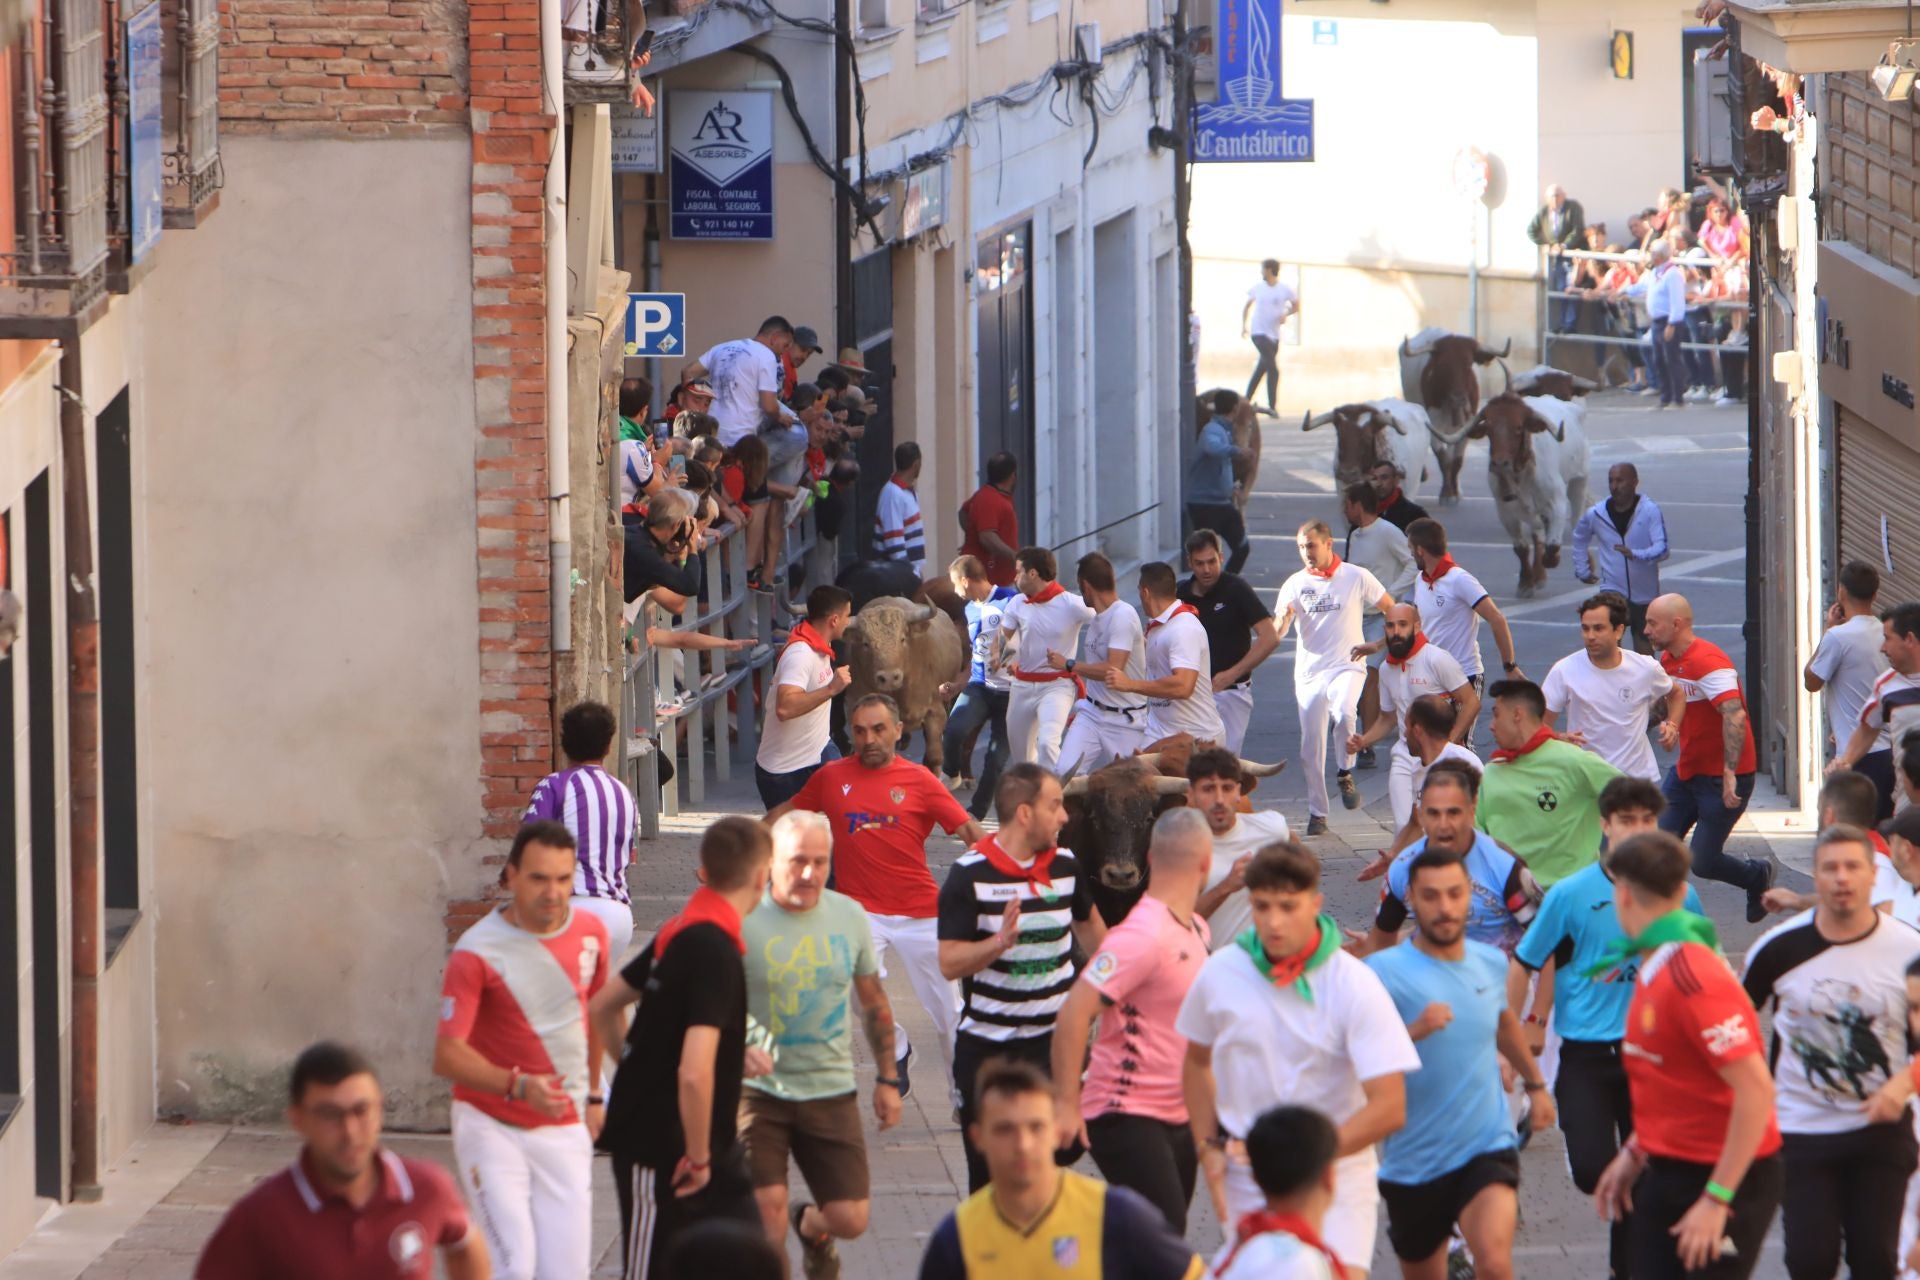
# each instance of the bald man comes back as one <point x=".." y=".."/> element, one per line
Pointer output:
<point x="1711" y="779"/>
<point x="1131" y="1112"/>
<point x="1414" y="668"/>
<point x="1618" y="545"/>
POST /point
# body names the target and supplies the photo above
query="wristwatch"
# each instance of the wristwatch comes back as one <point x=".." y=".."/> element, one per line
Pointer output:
<point x="891" y="1084"/>
<point x="1509" y="666"/>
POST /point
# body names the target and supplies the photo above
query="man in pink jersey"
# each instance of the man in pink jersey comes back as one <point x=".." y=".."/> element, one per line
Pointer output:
<point x="513" y="1040"/>
<point x="1131" y="1112"/>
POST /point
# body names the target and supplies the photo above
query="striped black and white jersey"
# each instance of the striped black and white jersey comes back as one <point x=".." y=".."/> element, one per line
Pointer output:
<point x="1839" y="1017"/>
<point x="1018" y="996"/>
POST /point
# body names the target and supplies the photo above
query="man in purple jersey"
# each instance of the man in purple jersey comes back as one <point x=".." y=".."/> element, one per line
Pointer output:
<point x="598" y="809"/>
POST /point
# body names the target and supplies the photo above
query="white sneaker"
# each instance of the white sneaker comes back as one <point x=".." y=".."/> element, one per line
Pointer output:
<point x="1699" y="395"/>
<point x="1722" y="401"/>
<point x="950" y="782"/>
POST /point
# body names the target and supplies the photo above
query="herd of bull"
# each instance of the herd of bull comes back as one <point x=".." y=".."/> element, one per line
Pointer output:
<point x="1534" y="426"/>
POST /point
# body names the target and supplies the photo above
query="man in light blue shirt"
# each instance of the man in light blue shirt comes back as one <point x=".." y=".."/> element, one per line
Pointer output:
<point x="1575" y="927"/>
<point x="1210" y="479"/>
<point x="1457" y="1159"/>
<point x="1664" y="287"/>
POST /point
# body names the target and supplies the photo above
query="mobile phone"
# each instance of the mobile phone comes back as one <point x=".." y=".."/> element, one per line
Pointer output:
<point x="644" y="45"/>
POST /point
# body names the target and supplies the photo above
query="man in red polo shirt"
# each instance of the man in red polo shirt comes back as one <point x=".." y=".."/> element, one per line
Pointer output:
<point x="346" y="1206"/>
<point x="1711" y="780"/>
<point x="989" y="526"/>
<point x="1701" y="1175"/>
<point x="883" y="809"/>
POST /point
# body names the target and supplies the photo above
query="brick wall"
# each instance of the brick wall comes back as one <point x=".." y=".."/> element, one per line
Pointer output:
<point x="348" y="67"/>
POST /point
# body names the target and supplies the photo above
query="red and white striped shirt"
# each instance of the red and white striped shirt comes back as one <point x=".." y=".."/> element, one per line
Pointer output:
<point x="897" y="534"/>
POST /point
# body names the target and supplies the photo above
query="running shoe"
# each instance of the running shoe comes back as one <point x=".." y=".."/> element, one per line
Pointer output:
<point x="1349" y="789"/>
<point x="1365" y="759"/>
<point x="1756" y="909"/>
<point x="819" y="1256"/>
<point x="1316" y="825"/>
<point x="900" y="1073"/>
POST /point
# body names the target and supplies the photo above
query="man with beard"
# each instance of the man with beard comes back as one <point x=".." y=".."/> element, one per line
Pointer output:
<point x="1415" y="668"/>
<point x="1455" y="1161"/>
<point x="1395" y="507"/>
<point x="882" y="809"/>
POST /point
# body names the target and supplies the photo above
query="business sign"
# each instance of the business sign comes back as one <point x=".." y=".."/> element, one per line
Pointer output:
<point x="636" y="139"/>
<point x="145" y="198"/>
<point x="721" y="181"/>
<point x="923" y="203"/>
<point x="1251" y="121"/>
<point x="656" y="324"/>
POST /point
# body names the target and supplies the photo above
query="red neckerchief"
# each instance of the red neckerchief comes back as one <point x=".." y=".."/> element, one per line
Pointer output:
<point x="1287" y="969"/>
<point x="1540" y="735"/>
<point x="1002" y="861"/>
<point x="1327" y="572"/>
<point x="1880" y="845"/>
<point x="803" y="633"/>
<point x="1047" y="593"/>
<point x="1390" y="499"/>
<point x="1419" y="643"/>
<point x="1269" y="1222"/>
<point x="1178" y="609"/>
<point x="896" y="481"/>
<point x="706" y="906"/>
<point x="1442" y="569"/>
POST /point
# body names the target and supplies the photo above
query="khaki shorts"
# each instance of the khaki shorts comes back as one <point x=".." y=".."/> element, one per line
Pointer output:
<point x="822" y="1135"/>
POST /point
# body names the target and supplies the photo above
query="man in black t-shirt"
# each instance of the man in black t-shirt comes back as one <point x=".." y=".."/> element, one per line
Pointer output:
<point x="1240" y="631"/>
<point x="671" y="1114"/>
<point x="659" y="555"/>
<point x="1395" y="507"/>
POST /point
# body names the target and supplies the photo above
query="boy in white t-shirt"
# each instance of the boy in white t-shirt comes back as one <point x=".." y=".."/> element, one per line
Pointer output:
<point x="1607" y="691"/>
<point x="1291" y="1151"/>
<point x="1285" y="1015"/>
<point x="1179" y="681"/>
<point x="1452" y="603"/>
<point x="1269" y="303"/>
<point x="1106" y="724"/>
<point x="1328" y="598"/>
<point x="1045" y="618"/>
<point x="1845" y="666"/>
<point x="799" y="714"/>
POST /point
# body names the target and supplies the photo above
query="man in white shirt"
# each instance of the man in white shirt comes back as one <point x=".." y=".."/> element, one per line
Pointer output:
<point x="1179" y="681"/>
<point x="805" y="680"/>
<point x="746" y="377"/>
<point x="1328" y="598"/>
<point x="897" y="530"/>
<point x="1269" y="303"/>
<point x="1893" y="707"/>
<point x="1846" y="664"/>
<point x="1607" y="692"/>
<point x="1427" y="731"/>
<point x="1213" y="787"/>
<point x="1285" y="1015"/>
<point x="1452" y="603"/>
<point x="1379" y="547"/>
<point x="1106" y="725"/>
<point x="1045" y="618"/>
<point x="1415" y="668"/>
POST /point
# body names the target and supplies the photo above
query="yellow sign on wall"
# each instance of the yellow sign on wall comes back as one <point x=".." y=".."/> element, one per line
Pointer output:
<point x="1622" y="55"/>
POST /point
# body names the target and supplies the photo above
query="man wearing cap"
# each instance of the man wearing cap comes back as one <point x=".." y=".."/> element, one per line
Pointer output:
<point x="806" y="345"/>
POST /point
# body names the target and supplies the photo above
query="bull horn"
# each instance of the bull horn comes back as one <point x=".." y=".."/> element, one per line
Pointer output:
<point x="918" y="613"/>
<point x="1074" y="787"/>
<point x="1254" y="769"/>
<point x="1165" y="786"/>
<point x="1508" y="372"/>
<point x="1308" y="422"/>
<point x="1584" y="384"/>
<point x="1454" y="437"/>
<point x="1073" y="771"/>
<point x="1404" y="353"/>
<point x="1151" y="759"/>
<point x="1394" y="423"/>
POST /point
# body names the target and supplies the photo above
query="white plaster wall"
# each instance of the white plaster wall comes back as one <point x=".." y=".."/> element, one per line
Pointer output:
<point x="311" y="669"/>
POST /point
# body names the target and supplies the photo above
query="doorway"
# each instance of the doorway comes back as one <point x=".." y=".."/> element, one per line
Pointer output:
<point x="1002" y="276"/>
<point x="873" y="335"/>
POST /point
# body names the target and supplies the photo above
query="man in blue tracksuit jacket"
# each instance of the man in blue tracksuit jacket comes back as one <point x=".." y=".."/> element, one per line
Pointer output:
<point x="1627" y="536"/>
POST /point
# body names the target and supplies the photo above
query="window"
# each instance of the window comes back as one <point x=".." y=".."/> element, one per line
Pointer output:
<point x="9" y="863"/>
<point x="119" y="776"/>
<point x="873" y="16"/>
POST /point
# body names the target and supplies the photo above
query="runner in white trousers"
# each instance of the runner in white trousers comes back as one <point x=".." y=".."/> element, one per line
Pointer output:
<point x="1045" y="618"/>
<point x="1329" y="599"/>
<point x="1106" y="724"/>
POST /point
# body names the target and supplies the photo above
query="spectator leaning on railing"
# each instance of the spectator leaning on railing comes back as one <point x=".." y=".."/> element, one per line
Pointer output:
<point x="659" y="552"/>
<point x="1556" y="227"/>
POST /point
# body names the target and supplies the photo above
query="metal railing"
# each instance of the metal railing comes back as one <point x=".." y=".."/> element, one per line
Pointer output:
<point x="1552" y="299"/>
<point x="192" y="164"/>
<point x="665" y="688"/>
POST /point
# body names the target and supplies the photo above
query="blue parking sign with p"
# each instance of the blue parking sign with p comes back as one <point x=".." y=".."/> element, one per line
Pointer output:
<point x="656" y="324"/>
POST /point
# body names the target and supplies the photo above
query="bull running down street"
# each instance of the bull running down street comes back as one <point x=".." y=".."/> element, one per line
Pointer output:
<point x="1281" y="948"/>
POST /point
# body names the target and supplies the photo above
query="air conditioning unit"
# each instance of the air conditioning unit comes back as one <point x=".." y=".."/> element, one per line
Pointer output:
<point x="1086" y="43"/>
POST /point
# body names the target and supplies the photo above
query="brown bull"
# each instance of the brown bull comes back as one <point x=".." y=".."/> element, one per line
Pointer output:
<point x="907" y="651"/>
<point x="1439" y="371"/>
<point x="1545" y="380"/>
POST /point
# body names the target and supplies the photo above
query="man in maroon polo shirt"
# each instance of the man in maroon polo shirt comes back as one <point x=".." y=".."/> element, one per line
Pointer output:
<point x="346" y="1206"/>
<point x="989" y="523"/>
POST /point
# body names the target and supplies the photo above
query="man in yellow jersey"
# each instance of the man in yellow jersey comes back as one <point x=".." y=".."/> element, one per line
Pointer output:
<point x="1034" y="1218"/>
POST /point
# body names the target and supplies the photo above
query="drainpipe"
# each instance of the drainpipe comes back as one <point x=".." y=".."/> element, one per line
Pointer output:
<point x="83" y="772"/>
<point x="559" y="456"/>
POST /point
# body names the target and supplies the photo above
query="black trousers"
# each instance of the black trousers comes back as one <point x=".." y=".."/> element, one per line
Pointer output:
<point x="1850" y="1186"/>
<point x="1224" y="519"/>
<point x="1668" y="1188"/>
<point x="1596" y="1116"/>
<point x="1879" y="766"/>
<point x="1267" y="368"/>
<point x="969" y="1051"/>
<point x="651" y="1215"/>
<point x="1150" y="1156"/>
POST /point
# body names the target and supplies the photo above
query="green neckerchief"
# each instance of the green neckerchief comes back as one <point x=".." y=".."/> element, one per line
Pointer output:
<point x="631" y="430"/>
<point x="1249" y="942"/>
<point x="1676" y="926"/>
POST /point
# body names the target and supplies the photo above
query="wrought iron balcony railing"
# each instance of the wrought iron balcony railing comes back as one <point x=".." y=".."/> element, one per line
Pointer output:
<point x="192" y="164"/>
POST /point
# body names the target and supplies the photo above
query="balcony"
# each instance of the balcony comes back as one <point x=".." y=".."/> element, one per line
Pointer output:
<point x="596" y="66"/>
<point x="1809" y="36"/>
<point x="192" y="87"/>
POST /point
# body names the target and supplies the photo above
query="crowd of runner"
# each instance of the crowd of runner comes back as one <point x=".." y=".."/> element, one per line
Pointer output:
<point x="1538" y="958"/>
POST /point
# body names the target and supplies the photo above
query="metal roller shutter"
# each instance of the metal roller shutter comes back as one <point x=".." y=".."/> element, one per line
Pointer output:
<point x="1879" y="489"/>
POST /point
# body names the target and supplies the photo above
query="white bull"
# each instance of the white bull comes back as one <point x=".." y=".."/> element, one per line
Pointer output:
<point x="1374" y="431"/>
<point x="1537" y="461"/>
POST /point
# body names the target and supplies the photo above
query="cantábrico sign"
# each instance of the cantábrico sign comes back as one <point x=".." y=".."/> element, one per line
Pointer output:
<point x="1251" y="122"/>
<point x="721" y="183"/>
